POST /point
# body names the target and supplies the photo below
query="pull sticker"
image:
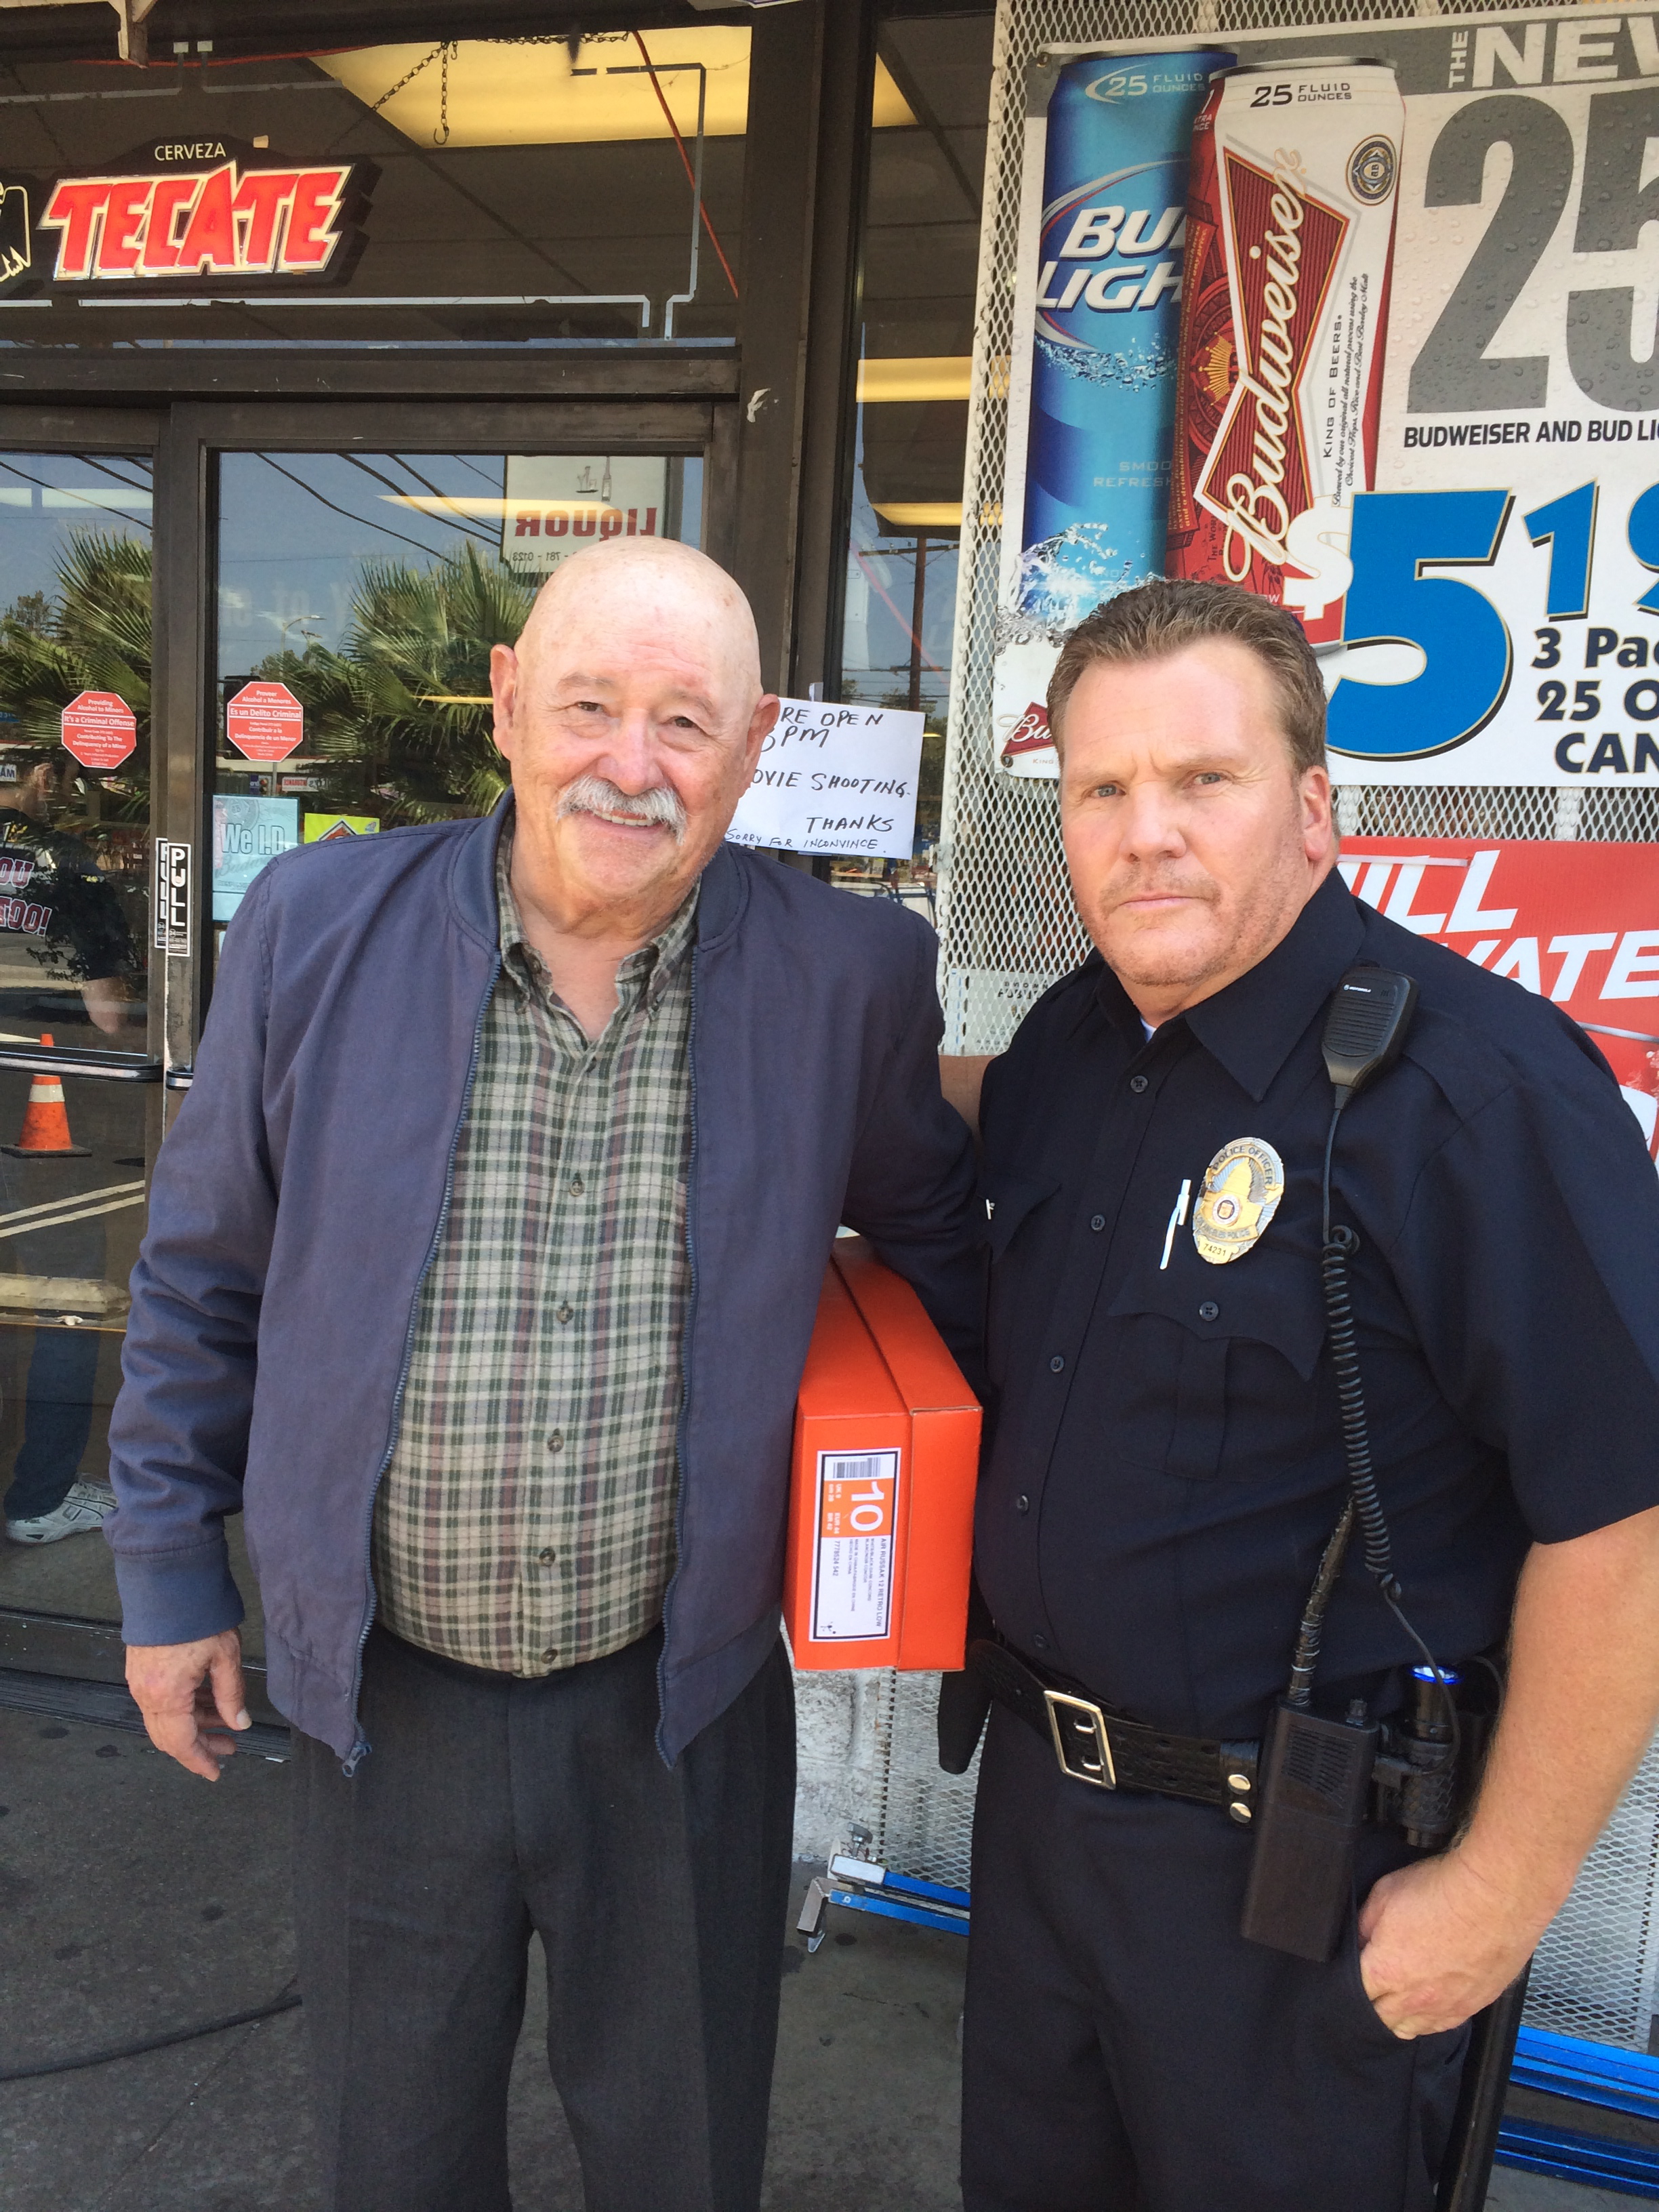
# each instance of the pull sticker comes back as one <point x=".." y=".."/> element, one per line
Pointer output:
<point x="852" y="1562"/>
<point x="1242" y="1186"/>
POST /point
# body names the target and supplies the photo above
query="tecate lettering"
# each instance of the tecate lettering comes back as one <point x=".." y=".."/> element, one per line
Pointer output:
<point x="220" y="221"/>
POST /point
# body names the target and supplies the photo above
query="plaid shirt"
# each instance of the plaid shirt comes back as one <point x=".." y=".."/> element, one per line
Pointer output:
<point x="526" y="1520"/>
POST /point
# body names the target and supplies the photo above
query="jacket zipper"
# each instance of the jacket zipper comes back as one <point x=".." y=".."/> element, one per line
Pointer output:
<point x="685" y="1357"/>
<point x="361" y="1747"/>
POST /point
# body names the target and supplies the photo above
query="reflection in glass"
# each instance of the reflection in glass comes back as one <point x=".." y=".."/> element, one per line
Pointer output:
<point x="75" y="627"/>
<point x="74" y="661"/>
<point x="927" y="159"/>
<point x="370" y="587"/>
<point x="520" y="191"/>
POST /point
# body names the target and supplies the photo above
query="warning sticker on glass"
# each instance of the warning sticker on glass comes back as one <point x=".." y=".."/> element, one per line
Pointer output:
<point x="853" y="1570"/>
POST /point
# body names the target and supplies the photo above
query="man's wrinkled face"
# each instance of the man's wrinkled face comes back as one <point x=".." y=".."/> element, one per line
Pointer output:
<point x="1192" y="843"/>
<point x="632" y="716"/>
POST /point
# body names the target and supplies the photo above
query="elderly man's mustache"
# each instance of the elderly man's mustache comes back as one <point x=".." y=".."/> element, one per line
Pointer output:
<point x="660" y="808"/>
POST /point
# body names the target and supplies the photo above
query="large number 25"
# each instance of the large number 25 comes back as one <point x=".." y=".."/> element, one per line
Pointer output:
<point x="1454" y="371"/>
<point x="1396" y="534"/>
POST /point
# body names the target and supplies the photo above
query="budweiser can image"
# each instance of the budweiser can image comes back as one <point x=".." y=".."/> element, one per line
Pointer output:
<point x="1105" y="324"/>
<point x="1290" y="239"/>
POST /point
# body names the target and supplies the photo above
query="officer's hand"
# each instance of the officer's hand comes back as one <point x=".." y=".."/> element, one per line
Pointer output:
<point x="189" y="1694"/>
<point x="1437" y="1943"/>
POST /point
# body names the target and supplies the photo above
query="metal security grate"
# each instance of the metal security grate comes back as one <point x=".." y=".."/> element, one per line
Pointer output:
<point x="1009" y="928"/>
<point x="924" y="1823"/>
<point x="1596" y="1974"/>
<point x="1006" y="921"/>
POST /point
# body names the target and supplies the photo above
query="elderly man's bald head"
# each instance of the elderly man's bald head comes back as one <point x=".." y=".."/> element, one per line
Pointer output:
<point x="632" y="713"/>
<point x="655" y="580"/>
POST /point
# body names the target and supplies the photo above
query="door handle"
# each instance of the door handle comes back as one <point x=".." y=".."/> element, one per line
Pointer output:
<point x="71" y="1060"/>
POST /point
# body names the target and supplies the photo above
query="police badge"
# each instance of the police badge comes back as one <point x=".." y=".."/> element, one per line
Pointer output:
<point x="1242" y="1186"/>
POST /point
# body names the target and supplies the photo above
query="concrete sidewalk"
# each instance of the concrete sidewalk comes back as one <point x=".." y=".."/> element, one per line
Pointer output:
<point x="133" y="1899"/>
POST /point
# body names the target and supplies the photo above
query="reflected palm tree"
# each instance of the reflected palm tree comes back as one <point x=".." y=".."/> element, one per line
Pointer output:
<point x="400" y="713"/>
<point x="91" y="634"/>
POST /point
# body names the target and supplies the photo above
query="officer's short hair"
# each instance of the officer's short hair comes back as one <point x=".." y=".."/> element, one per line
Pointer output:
<point x="1157" y="620"/>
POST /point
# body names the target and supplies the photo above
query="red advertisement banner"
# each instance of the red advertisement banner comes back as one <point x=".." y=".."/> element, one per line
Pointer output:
<point x="1577" y="923"/>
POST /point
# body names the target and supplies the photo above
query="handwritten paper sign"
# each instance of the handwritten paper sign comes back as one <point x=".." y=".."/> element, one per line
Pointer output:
<point x="835" y="780"/>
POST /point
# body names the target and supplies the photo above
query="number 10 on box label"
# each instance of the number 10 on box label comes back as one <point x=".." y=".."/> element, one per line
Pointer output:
<point x="853" y="1570"/>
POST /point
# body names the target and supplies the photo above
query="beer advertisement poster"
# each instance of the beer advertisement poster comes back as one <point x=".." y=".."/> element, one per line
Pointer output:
<point x="1576" y="922"/>
<point x="1365" y="320"/>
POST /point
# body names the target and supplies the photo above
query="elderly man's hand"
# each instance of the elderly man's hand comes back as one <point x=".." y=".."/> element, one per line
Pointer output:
<point x="1437" y="1943"/>
<point x="188" y="1695"/>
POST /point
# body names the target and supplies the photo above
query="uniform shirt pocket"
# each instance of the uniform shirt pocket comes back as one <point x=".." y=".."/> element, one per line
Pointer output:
<point x="1217" y="1362"/>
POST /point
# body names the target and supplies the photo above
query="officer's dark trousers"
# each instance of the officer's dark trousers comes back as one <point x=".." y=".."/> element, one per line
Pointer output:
<point x="1126" y="2051"/>
<point x="489" y="1807"/>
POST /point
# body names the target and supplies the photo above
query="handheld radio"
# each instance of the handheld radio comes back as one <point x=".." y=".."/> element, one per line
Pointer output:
<point x="1315" y="1775"/>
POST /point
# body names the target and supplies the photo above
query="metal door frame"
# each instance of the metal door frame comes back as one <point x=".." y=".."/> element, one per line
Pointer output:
<point x="193" y="432"/>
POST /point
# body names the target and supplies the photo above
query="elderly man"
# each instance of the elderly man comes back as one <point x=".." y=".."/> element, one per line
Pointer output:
<point x="481" y="1264"/>
<point x="1167" y="1464"/>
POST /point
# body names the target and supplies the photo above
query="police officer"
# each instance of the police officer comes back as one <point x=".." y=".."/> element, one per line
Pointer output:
<point x="1166" y="1464"/>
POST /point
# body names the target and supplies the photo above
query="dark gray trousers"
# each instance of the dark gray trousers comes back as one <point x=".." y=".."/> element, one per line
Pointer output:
<point x="489" y="1807"/>
<point x="1125" y="2050"/>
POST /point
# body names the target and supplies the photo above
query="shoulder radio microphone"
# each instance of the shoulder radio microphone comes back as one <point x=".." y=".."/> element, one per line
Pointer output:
<point x="1365" y="1026"/>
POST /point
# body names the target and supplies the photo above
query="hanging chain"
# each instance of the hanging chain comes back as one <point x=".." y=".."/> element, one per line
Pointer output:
<point x="407" y="77"/>
<point x="441" y="136"/>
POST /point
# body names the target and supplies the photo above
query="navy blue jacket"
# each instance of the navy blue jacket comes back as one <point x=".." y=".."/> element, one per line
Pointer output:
<point x="297" y="1200"/>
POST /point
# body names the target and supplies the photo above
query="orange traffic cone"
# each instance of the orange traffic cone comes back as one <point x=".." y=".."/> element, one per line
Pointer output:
<point x="46" y="1132"/>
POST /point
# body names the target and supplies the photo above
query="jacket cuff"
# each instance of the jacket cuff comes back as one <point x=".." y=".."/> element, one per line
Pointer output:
<point x="176" y="1598"/>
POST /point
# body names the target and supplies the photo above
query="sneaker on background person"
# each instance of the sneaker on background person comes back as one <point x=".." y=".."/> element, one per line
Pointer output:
<point x="86" y="1506"/>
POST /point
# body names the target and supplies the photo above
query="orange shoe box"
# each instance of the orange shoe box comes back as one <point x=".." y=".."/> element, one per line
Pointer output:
<point x="881" y="1507"/>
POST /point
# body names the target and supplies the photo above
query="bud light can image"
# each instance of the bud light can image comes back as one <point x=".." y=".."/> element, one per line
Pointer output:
<point x="1092" y="496"/>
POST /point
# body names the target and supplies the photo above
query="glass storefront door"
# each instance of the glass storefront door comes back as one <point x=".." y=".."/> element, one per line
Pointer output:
<point x="77" y="1083"/>
<point x="329" y="580"/>
<point x="358" y="596"/>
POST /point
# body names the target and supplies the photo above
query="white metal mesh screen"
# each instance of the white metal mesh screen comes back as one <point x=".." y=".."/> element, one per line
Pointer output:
<point x="1006" y="921"/>
<point x="1009" y="928"/>
<point x="925" y="1820"/>
<point x="869" y="1759"/>
<point x="1597" y="1969"/>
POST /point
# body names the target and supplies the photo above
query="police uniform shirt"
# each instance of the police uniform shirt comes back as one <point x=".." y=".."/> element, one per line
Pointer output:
<point x="1165" y="1461"/>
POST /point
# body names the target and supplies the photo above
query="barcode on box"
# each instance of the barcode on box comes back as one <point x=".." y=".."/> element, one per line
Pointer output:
<point x="856" y="1519"/>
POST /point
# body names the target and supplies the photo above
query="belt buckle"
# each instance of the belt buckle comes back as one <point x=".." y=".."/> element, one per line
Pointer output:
<point x="1081" y="1744"/>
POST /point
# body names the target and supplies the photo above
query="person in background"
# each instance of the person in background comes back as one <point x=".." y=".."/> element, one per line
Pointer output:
<point x="1166" y="1466"/>
<point x="82" y="937"/>
<point x="76" y="930"/>
<point x="481" y="1264"/>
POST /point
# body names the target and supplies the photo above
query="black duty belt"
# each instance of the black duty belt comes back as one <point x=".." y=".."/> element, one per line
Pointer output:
<point x="1096" y="1744"/>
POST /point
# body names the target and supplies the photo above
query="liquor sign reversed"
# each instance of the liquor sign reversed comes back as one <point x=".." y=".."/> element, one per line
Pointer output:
<point x="1414" y="390"/>
<point x="198" y="213"/>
